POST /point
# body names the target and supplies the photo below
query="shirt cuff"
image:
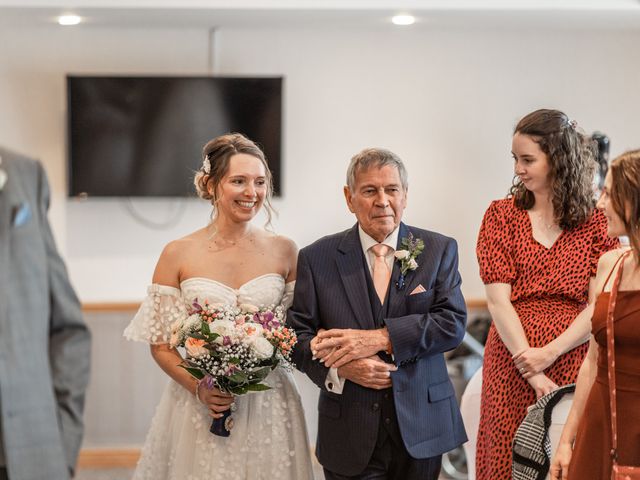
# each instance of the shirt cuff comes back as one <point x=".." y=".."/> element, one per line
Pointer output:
<point x="333" y="382"/>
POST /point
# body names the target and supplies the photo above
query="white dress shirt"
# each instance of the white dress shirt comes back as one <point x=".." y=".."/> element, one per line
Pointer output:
<point x="334" y="382"/>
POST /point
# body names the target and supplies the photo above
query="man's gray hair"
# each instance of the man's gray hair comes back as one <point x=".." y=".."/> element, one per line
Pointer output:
<point x="375" y="157"/>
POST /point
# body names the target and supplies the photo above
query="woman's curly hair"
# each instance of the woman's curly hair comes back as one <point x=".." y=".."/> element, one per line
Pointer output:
<point x="572" y="165"/>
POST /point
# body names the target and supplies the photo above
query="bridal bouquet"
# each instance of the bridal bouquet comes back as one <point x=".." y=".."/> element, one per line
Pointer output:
<point x="233" y="348"/>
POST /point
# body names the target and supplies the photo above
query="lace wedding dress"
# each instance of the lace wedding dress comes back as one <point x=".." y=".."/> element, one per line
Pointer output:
<point x="269" y="437"/>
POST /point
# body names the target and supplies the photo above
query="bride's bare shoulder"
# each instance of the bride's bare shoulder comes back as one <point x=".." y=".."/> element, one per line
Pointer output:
<point x="182" y="245"/>
<point x="281" y="244"/>
<point x="174" y="255"/>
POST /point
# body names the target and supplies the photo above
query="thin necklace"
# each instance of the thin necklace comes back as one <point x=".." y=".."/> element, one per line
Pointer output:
<point x="222" y="243"/>
<point x="548" y="226"/>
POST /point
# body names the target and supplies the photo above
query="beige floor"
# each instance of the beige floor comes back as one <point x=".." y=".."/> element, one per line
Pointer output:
<point x="125" y="474"/>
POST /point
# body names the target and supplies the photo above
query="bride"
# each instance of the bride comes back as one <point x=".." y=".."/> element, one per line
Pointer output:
<point x="230" y="262"/>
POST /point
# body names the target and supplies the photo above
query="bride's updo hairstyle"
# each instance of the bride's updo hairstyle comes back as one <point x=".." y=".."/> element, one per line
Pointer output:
<point x="216" y="156"/>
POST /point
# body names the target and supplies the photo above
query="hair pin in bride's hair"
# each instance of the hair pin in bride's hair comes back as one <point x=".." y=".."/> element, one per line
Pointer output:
<point x="206" y="165"/>
<point x="573" y="124"/>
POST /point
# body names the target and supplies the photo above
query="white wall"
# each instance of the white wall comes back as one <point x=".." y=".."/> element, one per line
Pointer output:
<point x="446" y="101"/>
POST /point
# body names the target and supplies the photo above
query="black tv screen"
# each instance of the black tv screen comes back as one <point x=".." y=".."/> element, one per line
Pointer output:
<point x="143" y="136"/>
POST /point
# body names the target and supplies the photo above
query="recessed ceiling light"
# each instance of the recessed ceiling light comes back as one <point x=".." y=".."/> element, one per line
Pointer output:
<point x="69" y="20"/>
<point x="403" y="20"/>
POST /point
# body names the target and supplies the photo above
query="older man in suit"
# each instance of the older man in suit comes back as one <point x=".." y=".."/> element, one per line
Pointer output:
<point x="375" y="307"/>
<point x="44" y="343"/>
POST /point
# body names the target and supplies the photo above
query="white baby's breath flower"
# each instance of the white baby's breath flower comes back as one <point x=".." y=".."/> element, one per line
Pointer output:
<point x="192" y="322"/>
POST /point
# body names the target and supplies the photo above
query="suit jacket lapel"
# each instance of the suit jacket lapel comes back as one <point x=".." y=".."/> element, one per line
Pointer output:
<point x="353" y="278"/>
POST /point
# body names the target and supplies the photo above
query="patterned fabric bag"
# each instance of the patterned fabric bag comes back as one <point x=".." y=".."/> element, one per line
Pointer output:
<point x="531" y="445"/>
<point x="618" y="472"/>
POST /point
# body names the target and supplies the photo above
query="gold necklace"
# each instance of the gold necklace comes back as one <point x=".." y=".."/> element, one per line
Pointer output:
<point x="548" y="226"/>
<point x="223" y="243"/>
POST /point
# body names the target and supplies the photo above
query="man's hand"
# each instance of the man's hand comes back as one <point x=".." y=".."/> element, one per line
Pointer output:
<point x="337" y="347"/>
<point x="531" y="361"/>
<point x="369" y="372"/>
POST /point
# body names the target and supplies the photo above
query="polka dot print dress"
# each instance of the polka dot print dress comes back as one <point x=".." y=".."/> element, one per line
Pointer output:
<point x="549" y="287"/>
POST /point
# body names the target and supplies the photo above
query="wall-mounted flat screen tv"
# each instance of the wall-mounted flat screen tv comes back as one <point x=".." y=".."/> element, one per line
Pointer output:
<point x="143" y="136"/>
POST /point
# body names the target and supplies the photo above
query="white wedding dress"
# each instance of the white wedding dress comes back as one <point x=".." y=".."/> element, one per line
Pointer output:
<point x="269" y="437"/>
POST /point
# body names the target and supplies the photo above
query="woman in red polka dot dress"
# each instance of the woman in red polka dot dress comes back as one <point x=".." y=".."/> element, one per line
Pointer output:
<point x="538" y="252"/>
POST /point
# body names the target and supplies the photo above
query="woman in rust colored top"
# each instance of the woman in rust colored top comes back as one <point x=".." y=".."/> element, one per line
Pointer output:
<point x="538" y="251"/>
<point x="589" y="422"/>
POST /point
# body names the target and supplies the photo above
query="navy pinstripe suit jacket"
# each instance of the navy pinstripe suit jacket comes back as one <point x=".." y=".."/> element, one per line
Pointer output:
<point x="331" y="292"/>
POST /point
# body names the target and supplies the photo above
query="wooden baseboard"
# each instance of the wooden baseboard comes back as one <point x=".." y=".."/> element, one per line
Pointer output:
<point x="108" y="458"/>
<point x="104" y="458"/>
<point x="472" y="303"/>
<point x="110" y="307"/>
<point x="476" y="303"/>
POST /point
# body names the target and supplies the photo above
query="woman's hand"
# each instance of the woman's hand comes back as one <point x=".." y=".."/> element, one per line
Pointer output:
<point x="214" y="399"/>
<point x="542" y="384"/>
<point x="560" y="463"/>
<point x="315" y="342"/>
<point x="531" y="361"/>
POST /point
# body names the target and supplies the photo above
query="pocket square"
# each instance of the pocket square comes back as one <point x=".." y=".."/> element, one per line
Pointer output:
<point x="418" y="289"/>
<point x="20" y="214"/>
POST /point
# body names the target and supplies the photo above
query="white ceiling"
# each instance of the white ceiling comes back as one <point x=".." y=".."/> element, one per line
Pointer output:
<point x="587" y="14"/>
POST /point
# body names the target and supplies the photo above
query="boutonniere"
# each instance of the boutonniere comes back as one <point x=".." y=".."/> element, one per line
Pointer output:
<point x="406" y="256"/>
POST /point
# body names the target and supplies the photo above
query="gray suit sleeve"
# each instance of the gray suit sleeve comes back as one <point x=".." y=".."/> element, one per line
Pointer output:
<point x="70" y="341"/>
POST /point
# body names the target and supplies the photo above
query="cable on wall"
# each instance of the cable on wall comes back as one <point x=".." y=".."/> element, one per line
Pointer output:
<point x="173" y="217"/>
<point x="211" y="51"/>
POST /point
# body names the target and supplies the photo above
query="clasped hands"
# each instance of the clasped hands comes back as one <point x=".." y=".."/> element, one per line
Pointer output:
<point x="531" y="363"/>
<point x="354" y="353"/>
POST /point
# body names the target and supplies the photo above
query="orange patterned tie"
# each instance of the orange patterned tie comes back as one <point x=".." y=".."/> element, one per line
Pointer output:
<point x="381" y="273"/>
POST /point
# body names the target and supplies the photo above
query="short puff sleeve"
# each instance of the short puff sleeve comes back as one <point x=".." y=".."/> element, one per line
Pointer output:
<point x="159" y="310"/>
<point x="601" y="243"/>
<point x="494" y="247"/>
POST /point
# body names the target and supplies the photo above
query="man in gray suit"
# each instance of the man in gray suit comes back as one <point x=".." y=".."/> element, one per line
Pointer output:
<point x="44" y="343"/>
<point x="375" y="307"/>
